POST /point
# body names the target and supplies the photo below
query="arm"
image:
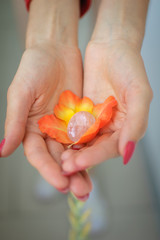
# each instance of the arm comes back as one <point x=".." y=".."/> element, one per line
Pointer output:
<point x="44" y="35"/>
<point x="53" y="22"/>
<point x="121" y="20"/>
<point x="50" y="64"/>
<point x="113" y="66"/>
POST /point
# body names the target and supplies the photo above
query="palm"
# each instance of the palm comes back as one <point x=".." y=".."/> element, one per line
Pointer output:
<point x="42" y="76"/>
<point x="111" y="75"/>
<point x="50" y="74"/>
<point x="116" y="70"/>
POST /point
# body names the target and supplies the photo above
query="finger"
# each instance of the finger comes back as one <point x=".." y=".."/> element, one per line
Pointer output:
<point x="80" y="184"/>
<point x="134" y="127"/>
<point x="39" y="157"/>
<point x="18" y="106"/>
<point x="55" y="149"/>
<point x="104" y="148"/>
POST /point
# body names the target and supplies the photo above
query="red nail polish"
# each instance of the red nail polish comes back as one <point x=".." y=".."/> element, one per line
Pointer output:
<point x="128" y="152"/>
<point x="82" y="198"/>
<point x="78" y="146"/>
<point x="1" y="145"/>
<point x="66" y="174"/>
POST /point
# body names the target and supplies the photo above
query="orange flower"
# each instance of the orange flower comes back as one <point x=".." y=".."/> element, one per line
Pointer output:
<point x="69" y="104"/>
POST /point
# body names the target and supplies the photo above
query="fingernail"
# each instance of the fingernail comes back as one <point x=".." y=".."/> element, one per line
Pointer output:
<point x="65" y="190"/>
<point x="1" y="146"/>
<point x="64" y="173"/>
<point x="82" y="198"/>
<point x="128" y="152"/>
<point x="78" y="146"/>
<point x="67" y="173"/>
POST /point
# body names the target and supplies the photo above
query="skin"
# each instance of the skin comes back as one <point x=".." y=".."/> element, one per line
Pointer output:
<point x="46" y="69"/>
<point x="125" y="78"/>
<point x="112" y="59"/>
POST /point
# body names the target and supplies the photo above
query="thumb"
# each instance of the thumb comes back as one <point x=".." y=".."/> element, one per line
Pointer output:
<point x="18" y="105"/>
<point x="138" y="103"/>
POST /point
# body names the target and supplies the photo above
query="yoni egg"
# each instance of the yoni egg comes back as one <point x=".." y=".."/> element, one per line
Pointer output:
<point x="79" y="124"/>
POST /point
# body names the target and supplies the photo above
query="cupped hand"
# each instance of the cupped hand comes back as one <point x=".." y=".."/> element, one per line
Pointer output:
<point x="44" y="73"/>
<point x="113" y="69"/>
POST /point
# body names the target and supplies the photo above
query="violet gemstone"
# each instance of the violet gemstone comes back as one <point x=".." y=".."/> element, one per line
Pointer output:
<point x="79" y="124"/>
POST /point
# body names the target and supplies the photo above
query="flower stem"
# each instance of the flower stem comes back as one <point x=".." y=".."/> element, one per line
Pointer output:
<point x="78" y="216"/>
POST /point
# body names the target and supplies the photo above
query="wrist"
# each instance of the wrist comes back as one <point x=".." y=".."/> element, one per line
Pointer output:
<point x="121" y="20"/>
<point x="119" y="34"/>
<point x="52" y="22"/>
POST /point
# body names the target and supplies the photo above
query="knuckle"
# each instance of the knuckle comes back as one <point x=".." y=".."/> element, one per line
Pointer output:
<point x="145" y="91"/>
<point x="141" y="127"/>
<point x="14" y="92"/>
<point x="150" y="94"/>
<point x="9" y="91"/>
<point x="19" y="89"/>
<point x="32" y="158"/>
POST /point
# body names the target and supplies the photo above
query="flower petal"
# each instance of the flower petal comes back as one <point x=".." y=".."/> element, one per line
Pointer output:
<point x="85" y="104"/>
<point x="69" y="104"/>
<point x="62" y="137"/>
<point x="69" y="99"/>
<point x="90" y="134"/>
<point x="97" y="109"/>
<point x="54" y="128"/>
<point x="100" y="107"/>
<point x="105" y="111"/>
<point x="63" y="113"/>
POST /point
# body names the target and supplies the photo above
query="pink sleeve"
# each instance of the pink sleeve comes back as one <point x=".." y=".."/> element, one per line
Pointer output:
<point x="84" y="4"/>
<point x="27" y="4"/>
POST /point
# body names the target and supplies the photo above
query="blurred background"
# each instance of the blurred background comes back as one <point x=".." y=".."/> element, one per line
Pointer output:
<point x="127" y="203"/>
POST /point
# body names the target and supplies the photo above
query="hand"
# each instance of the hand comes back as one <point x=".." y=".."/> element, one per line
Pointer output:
<point x="44" y="72"/>
<point x="113" y="69"/>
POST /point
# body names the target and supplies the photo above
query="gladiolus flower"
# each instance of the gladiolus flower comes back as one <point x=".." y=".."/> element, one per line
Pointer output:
<point x="76" y="120"/>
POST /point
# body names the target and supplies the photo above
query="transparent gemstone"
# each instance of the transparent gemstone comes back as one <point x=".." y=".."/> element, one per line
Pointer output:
<point x="79" y="124"/>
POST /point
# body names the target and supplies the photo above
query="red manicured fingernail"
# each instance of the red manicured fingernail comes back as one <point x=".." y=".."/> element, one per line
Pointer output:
<point x="67" y="174"/>
<point x="65" y="190"/>
<point x="83" y="198"/>
<point x="1" y="146"/>
<point x="128" y="152"/>
<point x="78" y="146"/>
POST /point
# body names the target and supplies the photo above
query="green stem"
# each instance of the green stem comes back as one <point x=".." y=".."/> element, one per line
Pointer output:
<point x="78" y="216"/>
